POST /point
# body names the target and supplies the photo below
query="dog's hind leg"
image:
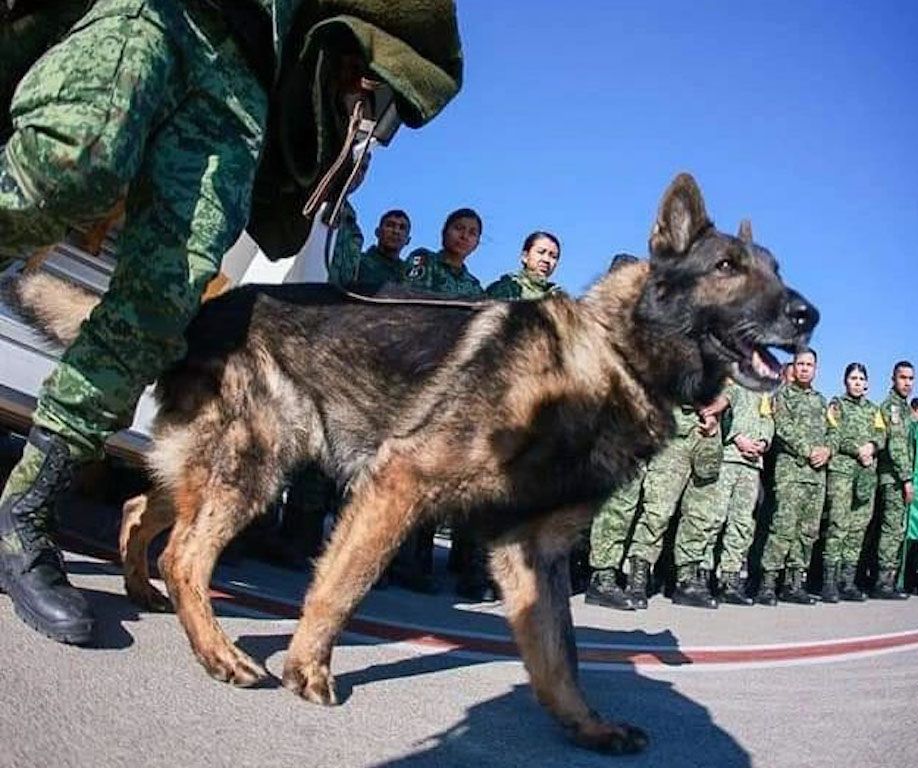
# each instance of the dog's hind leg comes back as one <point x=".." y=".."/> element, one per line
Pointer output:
<point x="384" y="506"/>
<point x="208" y="515"/>
<point x="143" y="518"/>
<point x="533" y="577"/>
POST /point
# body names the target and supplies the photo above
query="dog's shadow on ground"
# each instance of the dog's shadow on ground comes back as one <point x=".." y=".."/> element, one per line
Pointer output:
<point x="513" y="729"/>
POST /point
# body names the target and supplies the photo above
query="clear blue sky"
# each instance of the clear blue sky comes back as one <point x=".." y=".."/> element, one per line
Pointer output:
<point x="801" y="115"/>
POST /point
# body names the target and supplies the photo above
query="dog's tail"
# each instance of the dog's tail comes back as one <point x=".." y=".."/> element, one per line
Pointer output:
<point x="54" y="306"/>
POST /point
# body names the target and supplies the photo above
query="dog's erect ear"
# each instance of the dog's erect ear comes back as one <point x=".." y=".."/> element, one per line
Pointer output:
<point x="745" y="231"/>
<point x="680" y="218"/>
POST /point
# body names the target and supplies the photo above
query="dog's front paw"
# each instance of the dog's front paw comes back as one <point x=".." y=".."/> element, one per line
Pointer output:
<point x="311" y="680"/>
<point x="610" y="738"/>
<point x="228" y="664"/>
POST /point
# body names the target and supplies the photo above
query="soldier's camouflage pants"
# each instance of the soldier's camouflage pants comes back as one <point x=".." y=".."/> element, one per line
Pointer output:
<point x="149" y="97"/>
<point x="794" y="525"/>
<point x="732" y="503"/>
<point x="892" y="526"/>
<point x="669" y="477"/>
<point x="613" y="522"/>
<point x="848" y="518"/>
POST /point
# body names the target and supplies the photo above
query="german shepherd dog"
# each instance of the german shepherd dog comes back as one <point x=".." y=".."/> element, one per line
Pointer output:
<point x="520" y="417"/>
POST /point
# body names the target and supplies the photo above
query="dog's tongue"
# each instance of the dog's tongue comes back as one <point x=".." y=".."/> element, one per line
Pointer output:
<point x="765" y="364"/>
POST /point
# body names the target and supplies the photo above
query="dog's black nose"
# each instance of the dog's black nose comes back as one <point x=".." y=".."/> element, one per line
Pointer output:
<point x="802" y="314"/>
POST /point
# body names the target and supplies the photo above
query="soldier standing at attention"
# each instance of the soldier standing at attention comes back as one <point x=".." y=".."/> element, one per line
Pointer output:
<point x="367" y="271"/>
<point x="895" y="466"/>
<point x="748" y="429"/>
<point x="802" y="453"/>
<point x="857" y="430"/>
<point x="167" y="102"/>
<point x="445" y="272"/>
<point x="688" y="463"/>
<point x="612" y="524"/>
<point x="541" y="251"/>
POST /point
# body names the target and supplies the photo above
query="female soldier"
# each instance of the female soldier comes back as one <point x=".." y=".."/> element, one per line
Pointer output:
<point x="540" y="254"/>
<point x="855" y="431"/>
<point x="445" y="271"/>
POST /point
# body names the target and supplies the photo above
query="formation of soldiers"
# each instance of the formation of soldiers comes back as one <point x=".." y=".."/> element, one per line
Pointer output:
<point x="772" y="470"/>
<point x="731" y="510"/>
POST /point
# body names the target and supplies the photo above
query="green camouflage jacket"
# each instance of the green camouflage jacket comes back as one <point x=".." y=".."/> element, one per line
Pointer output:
<point x="800" y="426"/>
<point x="897" y="457"/>
<point x="852" y="423"/>
<point x="749" y="414"/>
<point x="355" y="269"/>
<point x="521" y="285"/>
<point x="426" y="271"/>
<point x="412" y="45"/>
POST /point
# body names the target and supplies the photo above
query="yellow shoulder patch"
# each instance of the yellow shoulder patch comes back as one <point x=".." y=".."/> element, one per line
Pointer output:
<point x="832" y="413"/>
<point x="765" y="408"/>
<point x="878" y="422"/>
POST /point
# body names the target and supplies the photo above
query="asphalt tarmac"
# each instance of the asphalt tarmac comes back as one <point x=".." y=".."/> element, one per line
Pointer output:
<point x="426" y="681"/>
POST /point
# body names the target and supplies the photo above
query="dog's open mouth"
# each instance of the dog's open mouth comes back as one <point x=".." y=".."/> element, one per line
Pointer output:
<point x="752" y="363"/>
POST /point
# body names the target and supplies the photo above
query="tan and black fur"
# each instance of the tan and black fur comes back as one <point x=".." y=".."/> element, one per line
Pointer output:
<point x="519" y="416"/>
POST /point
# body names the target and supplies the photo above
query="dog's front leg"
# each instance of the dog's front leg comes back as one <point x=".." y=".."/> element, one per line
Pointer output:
<point x="384" y="506"/>
<point x="534" y="581"/>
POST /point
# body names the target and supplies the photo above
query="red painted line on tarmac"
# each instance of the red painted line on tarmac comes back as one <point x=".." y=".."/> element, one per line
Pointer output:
<point x="649" y="655"/>
<point x="436" y="639"/>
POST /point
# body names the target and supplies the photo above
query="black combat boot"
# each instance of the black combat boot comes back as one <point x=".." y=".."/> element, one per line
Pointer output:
<point x="830" y="583"/>
<point x="603" y="589"/>
<point x="766" y="594"/>
<point x="886" y="588"/>
<point x="733" y="589"/>
<point x="692" y="589"/>
<point x="638" y="581"/>
<point x="31" y="567"/>
<point x="794" y="589"/>
<point x="849" y="590"/>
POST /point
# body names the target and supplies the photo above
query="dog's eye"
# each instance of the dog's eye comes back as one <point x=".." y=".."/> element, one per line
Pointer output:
<point x="726" y="266"/>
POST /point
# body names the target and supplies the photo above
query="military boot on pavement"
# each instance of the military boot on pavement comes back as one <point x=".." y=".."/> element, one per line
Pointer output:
<point x="766" y="594"/>
<point x="603" y="589"/>
<point x="733" y="589"/>
<point x="794" y="589"/>
<point x="692" y="588"/>
<point x="886" y="588"/>
<point x="849" y="590"/>
<point x="638" y="581"/>
<point x="830" y="583"/>
<point x="31" y="566"/>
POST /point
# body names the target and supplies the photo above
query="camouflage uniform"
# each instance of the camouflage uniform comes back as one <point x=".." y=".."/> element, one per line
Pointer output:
<point x="895" y="466"/>
<point x="851" y="486"/>
<point x="359" y="270"/>
<point x="427" y="271"/>
<point x="127" y="67"/>
<point x="521" y="285"/>
<point x="800" y="426"/>
<point x="613" y="522"/>
<point x="686" y="468"/>
<point x="159" y="98"/>
<point x="733" y="497"/>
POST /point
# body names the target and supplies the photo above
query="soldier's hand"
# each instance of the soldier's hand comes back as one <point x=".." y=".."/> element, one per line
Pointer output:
<point x="908" y="492"/>
<point x="865" y="454"/>
<point x="708" y="426"/>
<point x="716" y="407"/>
<point x="745" y="445"/>
<point x="819" y="456"/>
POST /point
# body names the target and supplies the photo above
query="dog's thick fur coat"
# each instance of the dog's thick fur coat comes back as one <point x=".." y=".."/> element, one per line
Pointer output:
<point x="518" y="416"/>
